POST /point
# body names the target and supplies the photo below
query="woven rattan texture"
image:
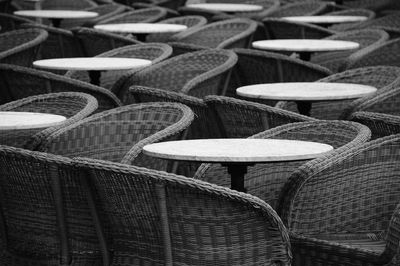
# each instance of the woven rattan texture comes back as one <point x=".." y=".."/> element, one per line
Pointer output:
<point x="351" y="12"/>
<point x="381" y="125"/>
<point x="152" y="14"/>
<point x="10" y="22"/>
<point x="310" y="8"/>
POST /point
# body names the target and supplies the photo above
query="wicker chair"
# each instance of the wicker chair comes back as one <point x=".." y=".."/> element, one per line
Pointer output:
<point x="367" y="4"/>
<point x="208" y="14"/>
<point x="383" y="54"/>
<point x="171" y="13"/>
<point x="381" y="125"/>
<point x="59" y="44"/>
<point x="94" y="42"/>
<point x="182" y="48"/>
<point x="20" y="82"/>
<point x="152" y="14"/>
<point x="181" y="221"/>
<point x="255" y="67"/>
<point x="119" y="134"/>
<point x="339" y="60"/>
<point x="310" y="8"/>
<point x="225" y="34"/>
<point x="46" y="219"/>
<point x="55" y="4"/>
<point x="73" y="105"/>
<point x="343" y="209"/>
<point x="283" y="29"/>
<point x="351" y="12"/>
<point x="10" y="22"/>
<point x="381" y="77"/>
<point x="196" y="74"/>
<point x="189" y="21"/>
<point x="267" y="180"/>
<point x="389" y="21"/>
<point x="156" y="52"/>
<point x="20" y="47"/>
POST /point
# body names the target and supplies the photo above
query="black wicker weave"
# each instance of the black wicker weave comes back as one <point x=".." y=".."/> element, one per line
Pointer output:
<point x="351" y="12"/>
<point x="151" y="14"/>
<point x="307" y="8"/>
<point x="380" y="124"/>
<point x="10" y="22"/>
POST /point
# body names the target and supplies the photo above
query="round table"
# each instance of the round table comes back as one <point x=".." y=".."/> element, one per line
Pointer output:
<point x="141" y="30"/>
<point x="92" y="64"/>
<point x="305" y="47"/>
<point x="226" y="7"/>
<point x="237" y="154"/>
<point x="304" y="93"/>
<point x="326" y="19"/>
<point x="56" y="15"/>
<point x="27" y="120"/>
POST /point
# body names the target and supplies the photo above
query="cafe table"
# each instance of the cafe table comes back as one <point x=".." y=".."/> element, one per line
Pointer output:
<point x="305" y="47"/>
<point x="94" y="65"/>
<point x="305" y="93"/>
<point x="226" y="7"/>
<point x="325" y="19"/>
<point x="141" y="30"/>
<point x="237" y="154"/>
<point x="56" y="16"/>
<point x="28" y="120"/>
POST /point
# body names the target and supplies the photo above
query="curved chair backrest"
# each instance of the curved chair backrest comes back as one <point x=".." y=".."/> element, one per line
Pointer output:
<point x="155" y="52"/>
<point x="339" y="60"/>
<point x="119" y="134"/>
<point x="266" y="180"/>
<point x="391" y="23"/>
<point x="381" y="77"/>
<point x="284" y="29"/>
<point x="369" y="14"/>
<point x="255" y="67"/>
<point x="225" y="34"/>
<point x="178" y="217"/>
<point x="19" y="82"/>
<point x="182" y="48"/>
<point x="44" y="210"/>
<point x="382" y="54"/>
<point x="151" y="14"/>
<point x="196" y="74"/>
<point x="94" y="42"/>
<point x="10" y="22"/>
<point x="59" y="44"/>
<point x="20" y="47"/>
<point x="68" y="5"/>
<point x="191" y="11"/>
<point x="381" y="125"/>
<point x="311" y="8"/>
<point x="367" y="4"/>
<point x="73" y="105"/>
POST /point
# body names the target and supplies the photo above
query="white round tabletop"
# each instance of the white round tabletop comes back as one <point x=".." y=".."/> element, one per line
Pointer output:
<point x="144" y="28"/>
<point x="56" y="14"/>
<point x="226" y="7"/>
<point x="27" y="120"/>
<point x="326" y="19"/>
<point x="305" y="45"/>
<point x="92" y="63"/>
<point x="305" y="91"/>
<point x="237" y="150"/>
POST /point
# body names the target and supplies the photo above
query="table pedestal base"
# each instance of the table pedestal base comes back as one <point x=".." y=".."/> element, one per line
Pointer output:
<point x="304" y="108"/>
<point x="237" y="172"/>
<point x="95" y="77"/>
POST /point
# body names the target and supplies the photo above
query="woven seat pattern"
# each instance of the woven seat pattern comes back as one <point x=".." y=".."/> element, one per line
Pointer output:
<point x="74" y="106"/>
<point x="381" y="125"/>
<point x="10" y="22"/>
<point x="267" y="180"/>
<point x="311" y="8"/>
<point x="20" y="47"/>
<point x="20" y="82"/>
<point x="362" y="214"/>
<point x="367" y="4"/>
<point x="389" y="23"/>
<point x="119" y="134"/>
<point x="183" y="221"/>
<point x="152" y="14"/>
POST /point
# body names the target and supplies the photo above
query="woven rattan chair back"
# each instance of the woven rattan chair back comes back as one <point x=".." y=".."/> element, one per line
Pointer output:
<point x="267" y="180"/>
<point x="340" y="60"/>
<point x="20" y="82"/>
<point x="20" y="47"/>
<point x="351" y="12"/>
<point x="225" y="34"/>
<point x="45" y="215"/>
<point x="381" y="77"/>
<point x="151" y="14"/>
<point x="311" y="8"/>
<point x="381" y="125"/>
<point x="10" y="22"/>
<point x="389" y="23"/>
<point x="156" y="52"/>
<point x="73" y="105"/>
<point x="59" y="44"/>
<point x="367" y="4"/>
<point x="119" y="134"/>
<point x="356" y="223"/>
<point x="55" y="4"/>
<point x="197" y="74"/>
<point x="284" y="29"/>
<point x="94" y="42"/>
<point x="175" y="211"/>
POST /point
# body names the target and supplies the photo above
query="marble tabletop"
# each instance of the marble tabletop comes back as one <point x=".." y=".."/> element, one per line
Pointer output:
<point x="326" y="19"/>
<point x="92" y="63"/>
<point x="305" y="45"/>
<point x="236" y="150"/>
<point x="56" y="14"/>
<point x="226" y="7"/>
<point x="305" y="91"/>
<point x="27" y="120"/>
<point x="141" y="28"/>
